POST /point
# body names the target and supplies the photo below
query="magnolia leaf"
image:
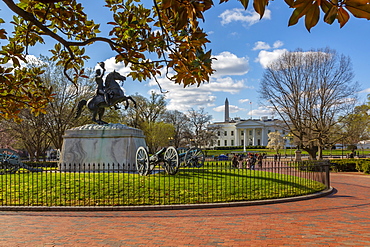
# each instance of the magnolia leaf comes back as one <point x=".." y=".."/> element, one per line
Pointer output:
<point x="2" y="34"/>
<point x="290" y="3"/>
<point x="325" y="6"/>
<point x="296" y="15"/>
<point x="245" y="3"/>
<point x="312" y="16"/>
<point x="259" y="6"/>
<point x="331" y="15"/>
<point x="343" y="17"/>
<point x="359" y="11"/>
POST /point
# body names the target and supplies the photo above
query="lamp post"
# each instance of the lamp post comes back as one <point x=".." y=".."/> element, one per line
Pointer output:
<point x="170" y="140"/>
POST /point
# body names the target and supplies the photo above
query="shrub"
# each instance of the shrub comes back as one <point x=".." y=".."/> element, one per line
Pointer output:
<point x="351" y="165"/>
<point x="363" y="166"/>
<point x="41" y="164"/>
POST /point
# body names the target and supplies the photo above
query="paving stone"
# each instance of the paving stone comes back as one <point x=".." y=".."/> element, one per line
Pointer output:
<point x="340" y="219"/>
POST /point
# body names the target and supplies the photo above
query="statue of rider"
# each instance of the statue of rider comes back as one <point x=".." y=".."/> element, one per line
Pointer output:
<point x="101" y="89"/>
<point x="99" y="80"/>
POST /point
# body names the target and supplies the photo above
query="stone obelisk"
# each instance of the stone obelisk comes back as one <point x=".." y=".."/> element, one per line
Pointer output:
<point x="227" y="117"/>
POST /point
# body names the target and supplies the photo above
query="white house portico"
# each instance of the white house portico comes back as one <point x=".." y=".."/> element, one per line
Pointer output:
<point x="250" y="132"/>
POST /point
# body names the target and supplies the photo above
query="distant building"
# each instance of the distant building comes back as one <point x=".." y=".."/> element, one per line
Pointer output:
<point x="250" y="132"/>
<point x="363" y="145"/>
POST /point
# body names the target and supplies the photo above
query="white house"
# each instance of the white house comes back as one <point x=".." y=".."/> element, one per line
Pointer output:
<point x="249" y="132"/>
<point x="363" y="145"/>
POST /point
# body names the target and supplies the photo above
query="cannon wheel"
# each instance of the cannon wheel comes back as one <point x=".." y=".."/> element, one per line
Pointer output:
<point x="182" y="152"/>
<point x="9" y="161"/>
<point x="171" y="159"/>
<point x="142" y="161"/>
<point x="194" y="157"/>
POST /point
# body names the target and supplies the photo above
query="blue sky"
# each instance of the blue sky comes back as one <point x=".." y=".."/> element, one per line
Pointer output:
<point x="243" y="46"/>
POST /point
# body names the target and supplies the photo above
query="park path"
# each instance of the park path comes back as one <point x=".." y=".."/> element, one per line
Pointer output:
<point x="340" y="219"/>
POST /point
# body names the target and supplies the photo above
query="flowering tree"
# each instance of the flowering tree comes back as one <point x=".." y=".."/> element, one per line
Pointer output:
<point x="276" y="141"/>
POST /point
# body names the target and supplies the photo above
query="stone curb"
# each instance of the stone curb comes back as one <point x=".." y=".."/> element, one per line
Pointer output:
<point x="170" y="207"/>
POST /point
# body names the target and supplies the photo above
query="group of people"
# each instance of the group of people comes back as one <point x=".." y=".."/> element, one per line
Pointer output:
<point x="240" y="161"/>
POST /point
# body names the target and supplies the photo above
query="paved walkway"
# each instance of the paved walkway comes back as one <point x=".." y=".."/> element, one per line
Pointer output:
<point x="341" y="219"/>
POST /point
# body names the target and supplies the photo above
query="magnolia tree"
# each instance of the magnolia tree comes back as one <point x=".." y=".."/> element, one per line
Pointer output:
<point x="276" y="141"/>
<point x="146" y="37"/>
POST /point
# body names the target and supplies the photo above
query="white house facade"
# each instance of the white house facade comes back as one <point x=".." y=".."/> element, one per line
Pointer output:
<point x="250" y="132"/>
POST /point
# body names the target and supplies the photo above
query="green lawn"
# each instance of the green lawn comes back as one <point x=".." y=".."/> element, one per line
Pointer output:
<point x="112" y="189"/>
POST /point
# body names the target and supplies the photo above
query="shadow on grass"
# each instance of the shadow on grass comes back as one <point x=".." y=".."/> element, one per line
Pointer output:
<point x="258" y="176"/>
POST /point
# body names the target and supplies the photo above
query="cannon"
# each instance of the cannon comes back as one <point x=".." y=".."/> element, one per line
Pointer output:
<point x="10" y="162"/>
<point x="193" y="157"/>
<point x="167" y="157"/>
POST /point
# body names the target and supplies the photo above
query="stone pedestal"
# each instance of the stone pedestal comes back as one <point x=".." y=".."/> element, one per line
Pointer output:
<point x="90" y="146"/>
<point x="298" y="155"/>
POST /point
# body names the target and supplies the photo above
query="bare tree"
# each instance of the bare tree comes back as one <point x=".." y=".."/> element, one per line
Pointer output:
<point x="61" y="111"/>
<point x="181" y="124"/>
<point x="203" y="134"/>
<point x="309" y="90"/>
<point x="147" y="110"/>
<point x="31" y="132"/>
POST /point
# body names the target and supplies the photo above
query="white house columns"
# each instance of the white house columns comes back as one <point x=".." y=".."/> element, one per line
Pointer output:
<point x="246" y="132"/>
<point x="250" y="136"/>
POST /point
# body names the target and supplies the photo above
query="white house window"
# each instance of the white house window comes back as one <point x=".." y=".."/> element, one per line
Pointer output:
<point x="218" y="133"/>
<point x="225" y="142"/>
<point x="218" y="143"/>
<point x="225" y="133"/>
<point x="232" y="133"/>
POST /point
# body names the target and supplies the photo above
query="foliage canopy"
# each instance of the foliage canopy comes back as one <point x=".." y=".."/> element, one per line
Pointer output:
<point x="148" y="39"/>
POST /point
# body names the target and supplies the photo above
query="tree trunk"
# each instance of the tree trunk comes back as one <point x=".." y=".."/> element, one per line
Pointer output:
<point x="311" y="152"/>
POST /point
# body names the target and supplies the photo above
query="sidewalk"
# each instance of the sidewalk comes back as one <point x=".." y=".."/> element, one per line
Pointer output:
<point x="340" y="219"/>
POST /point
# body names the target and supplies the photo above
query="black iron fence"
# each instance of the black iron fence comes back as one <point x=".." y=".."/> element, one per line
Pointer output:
<point x="121" y="185"/>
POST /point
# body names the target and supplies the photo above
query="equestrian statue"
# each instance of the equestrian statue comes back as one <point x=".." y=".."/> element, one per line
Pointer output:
<point x="108" y="93"/>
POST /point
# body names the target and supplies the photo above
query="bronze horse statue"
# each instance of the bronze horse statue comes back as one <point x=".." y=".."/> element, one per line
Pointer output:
<point x="97" y="104"/>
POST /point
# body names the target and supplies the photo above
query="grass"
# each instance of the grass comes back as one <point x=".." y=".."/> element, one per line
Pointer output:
<point x="207" y="185"/>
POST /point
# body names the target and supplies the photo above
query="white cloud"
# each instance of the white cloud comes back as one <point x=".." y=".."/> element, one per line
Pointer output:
<point x="260" y="45"/>
<point x="241" y="101"/>
<point x="228" y="63"/>
<point x="265" y="58"/>
<point x="261" y="111"/>
<point x="232" y="109"/>
<point x="31" y="59"/>
<point x="110" y="65"/>
<point x="180" y="98"/>
<point x="367" y="90"/>
<point x="277" y="44"/>
<point x="245" y="16"/>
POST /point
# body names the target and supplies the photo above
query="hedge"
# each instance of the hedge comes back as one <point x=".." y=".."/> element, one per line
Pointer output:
<point x="351" y="165"/>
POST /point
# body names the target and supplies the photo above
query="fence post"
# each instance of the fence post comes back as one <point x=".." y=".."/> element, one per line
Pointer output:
<point x="327" y="174"/>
